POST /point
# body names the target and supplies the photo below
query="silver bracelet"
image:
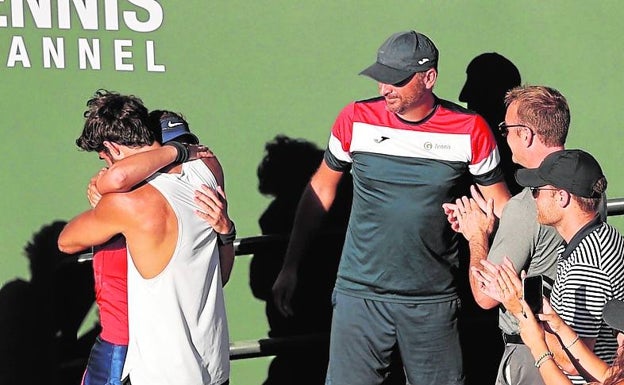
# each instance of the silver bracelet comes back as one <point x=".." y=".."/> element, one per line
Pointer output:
<point x="543" y="358"/>
<point x="567" y="347"/>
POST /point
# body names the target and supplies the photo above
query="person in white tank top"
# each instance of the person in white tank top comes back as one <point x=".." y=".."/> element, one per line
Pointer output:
<point x="178" y="326"/>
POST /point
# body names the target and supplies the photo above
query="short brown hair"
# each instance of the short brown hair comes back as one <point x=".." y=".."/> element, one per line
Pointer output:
<point x="117" y="118"/>
<point x="544" y="109"/>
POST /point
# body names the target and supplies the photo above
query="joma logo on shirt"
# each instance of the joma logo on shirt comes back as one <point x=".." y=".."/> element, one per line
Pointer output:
<point x="435" y="146"/>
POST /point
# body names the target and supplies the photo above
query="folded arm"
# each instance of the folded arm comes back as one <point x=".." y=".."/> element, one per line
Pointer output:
<point x="93" y="227"/>
<point x="128" y="172"/>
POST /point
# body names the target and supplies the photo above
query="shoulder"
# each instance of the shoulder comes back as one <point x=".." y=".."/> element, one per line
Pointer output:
<point x="377" y="100"/>
<point x="462" y="120"/>
<point x="121" y="205"/>
<point x="456" y="108"/>
<point x="604" y="241"/>
<point x="610" y="233"/>
<point x="364" y="110"/>
<point x="215" y="167"/>
<point x="520" y="205"/>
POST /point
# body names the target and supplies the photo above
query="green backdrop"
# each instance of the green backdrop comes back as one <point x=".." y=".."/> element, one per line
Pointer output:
<point x="244" y="71"/>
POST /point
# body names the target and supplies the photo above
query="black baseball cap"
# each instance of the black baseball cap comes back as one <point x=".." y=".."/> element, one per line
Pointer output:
<point x="402" y="55"/>
<point x="613" y="314"/>
<point x="575" y="171"/>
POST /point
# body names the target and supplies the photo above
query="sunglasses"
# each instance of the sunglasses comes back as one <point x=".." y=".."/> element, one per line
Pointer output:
<point x="404" y="82"/>
<point x="503" y="128"/>
<point x="535" y="190"/>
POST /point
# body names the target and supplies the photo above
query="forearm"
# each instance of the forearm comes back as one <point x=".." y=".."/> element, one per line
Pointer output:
<point x="478" y="252"/>
<point x="550" y="372"/>
<point x="226" y="261"/>
<point x="581" y="356"/>
<point x="310" y="213"/>
<point x="560" y="355"/>
<point x="82" y="232"/>
<point x="128" y="172"/>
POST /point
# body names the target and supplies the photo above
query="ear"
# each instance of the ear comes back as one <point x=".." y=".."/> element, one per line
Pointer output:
<point x="527" y="136"/>
<point x="113" y="149"/>
<point x="563" y="198"/>
<point x="430" y="78"/>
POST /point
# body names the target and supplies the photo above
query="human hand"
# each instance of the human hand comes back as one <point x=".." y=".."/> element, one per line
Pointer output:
<point x="509" y="286"/>
<point x="93" y="195"/>
<point x="212" y="205"/>
<point x="475" y="223"/>
<point x="478" y="197"/>
<point x="486" y="277"/>
<point x="531" y="330"/>
<point x="450" y="210"/>
<point x="553" y="321"/>
<point x="283" y="290"/>
<point x="199" y="151"/>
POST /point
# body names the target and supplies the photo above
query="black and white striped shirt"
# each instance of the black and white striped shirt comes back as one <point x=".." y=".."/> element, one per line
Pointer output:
<point x="590" y="271"/>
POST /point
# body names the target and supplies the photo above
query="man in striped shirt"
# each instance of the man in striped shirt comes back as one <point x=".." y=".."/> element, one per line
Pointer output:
<point x="567" y="188"/>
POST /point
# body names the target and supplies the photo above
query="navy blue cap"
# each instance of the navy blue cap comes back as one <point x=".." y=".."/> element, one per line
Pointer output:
<point x="173" y="127"/>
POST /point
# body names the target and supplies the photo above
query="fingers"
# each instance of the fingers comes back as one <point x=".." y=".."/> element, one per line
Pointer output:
<point x="208" y="199"/>
<point x="507" y="283"/>
<point x="489" y="207"/>
<point x="93" y="195"/>
<point x="462" y="204"/>
<point x="282" y="297"/>
<point x="460" y="213"/>
<point x="213" y="208"/>
<point x="547" y="309"/>
<point x="449" y="208"/>
<point x="483" y="278"/>
<point x="221" y="192"/>
<point x="489" y="266"/>
<point x="209" y="204"/>
<point x="201" y="149"/>
<point x="479" y="275"/>
<point x="468" y="208"/>
<point x="510" y="273"/>
<point x="476" y="195"/>
<point x="508" y="264"/>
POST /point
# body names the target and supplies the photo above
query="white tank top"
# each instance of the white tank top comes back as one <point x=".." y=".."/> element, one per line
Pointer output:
<point x="178" y="326"/>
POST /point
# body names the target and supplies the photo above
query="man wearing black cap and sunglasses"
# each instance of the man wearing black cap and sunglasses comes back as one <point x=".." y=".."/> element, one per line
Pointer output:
<point x="407" y="151"/>
<point x="568" y="187"/>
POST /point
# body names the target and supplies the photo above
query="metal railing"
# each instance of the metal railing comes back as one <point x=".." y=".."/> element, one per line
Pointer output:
<point x="271" y="346"/>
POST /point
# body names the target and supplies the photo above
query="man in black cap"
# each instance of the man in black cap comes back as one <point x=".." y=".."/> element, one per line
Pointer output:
<point x="567" y="188"/>
<point x="396" y="288"/>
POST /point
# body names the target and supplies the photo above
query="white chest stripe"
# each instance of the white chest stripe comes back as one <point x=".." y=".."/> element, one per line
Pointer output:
<point x="390" y="141"/>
